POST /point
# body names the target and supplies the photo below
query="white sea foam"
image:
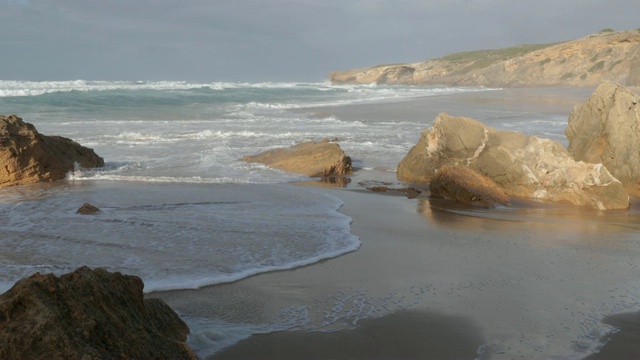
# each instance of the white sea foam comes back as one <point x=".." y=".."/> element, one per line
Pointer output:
<point x="172" y="236"/>
<point x="11" y="88"/>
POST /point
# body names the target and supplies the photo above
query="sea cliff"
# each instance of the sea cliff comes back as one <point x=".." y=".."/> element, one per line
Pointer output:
<point x="606" y="55"/>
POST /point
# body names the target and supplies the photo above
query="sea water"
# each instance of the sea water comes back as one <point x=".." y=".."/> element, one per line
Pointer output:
<point x="178" y="206"/>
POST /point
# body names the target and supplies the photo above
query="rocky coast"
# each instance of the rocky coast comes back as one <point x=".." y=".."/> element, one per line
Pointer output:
<point x="605" y="56"/>
<point x="494" y="273"/>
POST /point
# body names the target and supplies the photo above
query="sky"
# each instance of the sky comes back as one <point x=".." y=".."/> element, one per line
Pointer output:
<point x="274" y="40"/>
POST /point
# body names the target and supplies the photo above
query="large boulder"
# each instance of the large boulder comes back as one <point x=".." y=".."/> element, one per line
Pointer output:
<point x="88" y="314"/>
<point x="314" y="159"/>
<point x="28" y="156"/>
<point x="523" y="166"/>
<point x="606" y="129"/>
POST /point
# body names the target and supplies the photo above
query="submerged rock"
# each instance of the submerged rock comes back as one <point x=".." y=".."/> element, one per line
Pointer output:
<point x="88" y="314"/>
<point x="87" y="209"/>
<point x="383" y="187"/>
<point x="466" y="186"/>
<point x="314" y="159"/>
<point x="523" y="166"/>
<point x="28" y="156"/>
<point x="606" y="129"/>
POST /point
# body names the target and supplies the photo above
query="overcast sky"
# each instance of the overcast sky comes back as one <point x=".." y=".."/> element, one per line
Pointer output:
<point x="274" y="40"/>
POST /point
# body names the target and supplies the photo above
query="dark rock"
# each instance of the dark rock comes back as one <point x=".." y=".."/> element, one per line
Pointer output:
<point x="87" y="209"/>
<point x="383" y="187"/>
<point x="412" y="193"/>
<point x="88" y="314"/>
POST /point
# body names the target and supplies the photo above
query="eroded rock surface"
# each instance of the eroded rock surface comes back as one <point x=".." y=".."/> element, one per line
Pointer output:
<point x="466" y="186"/>
<point x="523" y="166"/>
<point x="88" y="314"/>
<point x="606" y="129"/>
<point x="314" y="159"/>
<point x="27" y="156"/>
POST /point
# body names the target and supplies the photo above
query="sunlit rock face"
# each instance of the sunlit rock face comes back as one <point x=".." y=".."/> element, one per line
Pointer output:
<point x="606" y="129"/>
<point x="26" y="156"/>
<point x="314" y="159"/>
<point x="523" y="166"/>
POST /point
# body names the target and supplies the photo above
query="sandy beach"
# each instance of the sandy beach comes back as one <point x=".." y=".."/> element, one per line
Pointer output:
<point x="433" y="279"/>
<point x="526" y="282"/>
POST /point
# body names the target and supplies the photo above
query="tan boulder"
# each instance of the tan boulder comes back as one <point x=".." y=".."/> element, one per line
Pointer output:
<point x="606" y="129"/>
<point x="27" y="156"/>
<point x="314" y="159"/>
<point x="88" y="314"/>
<point x="523" y="166"/>
<point x="466" y="186"/>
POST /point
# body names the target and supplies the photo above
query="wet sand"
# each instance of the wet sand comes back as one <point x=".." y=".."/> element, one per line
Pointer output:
<point x="623" y="343"/>
<point x="401" y="335"/>
<point x="534" y="282"/>
<point x="530" y="281"/>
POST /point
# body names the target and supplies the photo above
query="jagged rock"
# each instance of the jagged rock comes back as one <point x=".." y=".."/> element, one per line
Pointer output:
<point x="88" y="314"/>
<point x="87" y="209"/>
<point x="466" y="186"/>
<point x="314" y="159"/>
<point x="28" y="156"/>
<point x="523" y="166"/>
<point x="605" y="129"/>
<point x="607" y="55"/>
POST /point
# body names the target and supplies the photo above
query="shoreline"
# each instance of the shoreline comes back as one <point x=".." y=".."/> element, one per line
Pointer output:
<point x="534" y="279"/>
<point x="427" y="258"/>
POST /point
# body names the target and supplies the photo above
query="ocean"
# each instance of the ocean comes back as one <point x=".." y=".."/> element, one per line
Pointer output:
<point x="179" y="207"/>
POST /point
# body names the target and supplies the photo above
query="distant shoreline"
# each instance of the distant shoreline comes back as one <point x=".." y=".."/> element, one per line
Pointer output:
<point x="606" y="55"/>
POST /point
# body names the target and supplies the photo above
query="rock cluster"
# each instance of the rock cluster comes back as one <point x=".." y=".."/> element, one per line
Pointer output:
<point x="28" y="156"/>
<point x="314" y="159"/>
<point x="88" y="314"/>
<point x="522" y="166"/>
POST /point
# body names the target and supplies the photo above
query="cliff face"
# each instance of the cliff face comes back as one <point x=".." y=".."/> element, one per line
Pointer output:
<point x="613" y="56"/>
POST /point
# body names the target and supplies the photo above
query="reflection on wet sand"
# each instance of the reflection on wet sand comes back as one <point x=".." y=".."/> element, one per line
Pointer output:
<point x="560" y="223"/>
<point x="328" y="182"/>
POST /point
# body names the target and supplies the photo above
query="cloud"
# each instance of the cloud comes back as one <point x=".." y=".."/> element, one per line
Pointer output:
<point x="276" y="39"/>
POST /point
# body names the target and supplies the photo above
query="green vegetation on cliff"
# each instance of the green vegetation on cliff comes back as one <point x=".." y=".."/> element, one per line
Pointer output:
<point x="607" y="55"/>
<point x="491" y="56"/>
